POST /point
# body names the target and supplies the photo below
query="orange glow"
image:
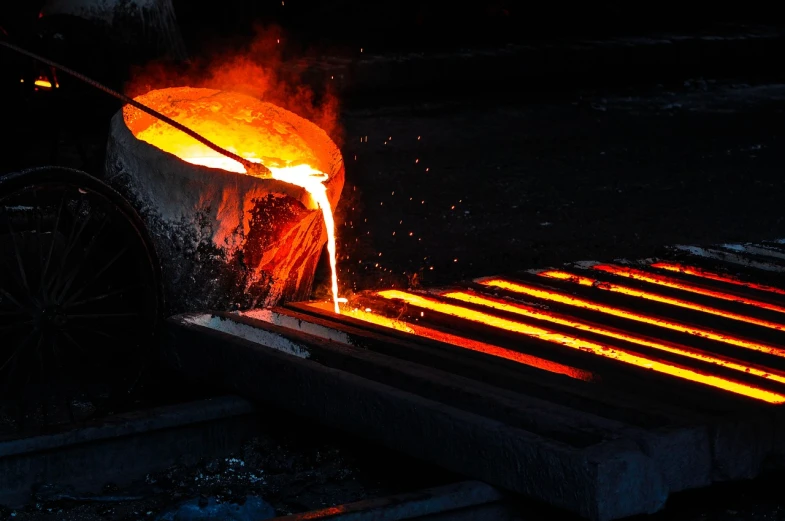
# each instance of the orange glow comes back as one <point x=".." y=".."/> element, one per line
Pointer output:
<point x="668" y="282"/>
<point x="501" y="352"/>
<point x="233" y="122"/>
<point x="538" y="314"/>
<point x="553" y="296"/>
<point x="584" y="345"/>
<point x="324" y="513"/>
<point x="46" y="84"/>
<point x="615" y="288"/>
<point x="368" y="315"/>
<point x="697" y="272"/>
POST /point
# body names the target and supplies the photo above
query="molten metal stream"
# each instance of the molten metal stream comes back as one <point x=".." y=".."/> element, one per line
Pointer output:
<point x="553" y="296"/>
<point x="314" y="184"/>
<point x="615" y="288"/>
<point x="583" y="345"/>
<point x="539" y="314"/>
<point x="697" y="272"/>
<point x="304" y="176"/>
<point x="668" y="282"/>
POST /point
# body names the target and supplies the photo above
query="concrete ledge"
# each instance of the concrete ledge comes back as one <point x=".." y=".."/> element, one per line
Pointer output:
<point x="125" y="448"/>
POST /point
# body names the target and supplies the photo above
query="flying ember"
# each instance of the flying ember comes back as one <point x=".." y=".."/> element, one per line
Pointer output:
<point x="250" y="129"/>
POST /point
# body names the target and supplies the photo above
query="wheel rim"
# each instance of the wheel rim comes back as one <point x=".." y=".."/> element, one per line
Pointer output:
<point x="79" y="293"/>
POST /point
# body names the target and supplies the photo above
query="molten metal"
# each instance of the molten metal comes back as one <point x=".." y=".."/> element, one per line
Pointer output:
<point x="380" y="320"/>
<point x="668" y="282"/>
<point x="531" y="312"/>
<point x="561" y="298"/>
<point x="584" y="345"/>
<point x="44" y="83"/>
<point x="615" y="288"/>
<point x="504" y="353"/>
<point x="226" y="123"/>
<point x="698" y="272"/>
<point x="368" y="315"/>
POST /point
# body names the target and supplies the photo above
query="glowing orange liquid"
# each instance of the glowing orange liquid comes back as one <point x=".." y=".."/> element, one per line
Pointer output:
<point x="539" y="314"/>
<point x="227" y="125"/>
<point x="584" y="345"/>
<point x="473" y="345"/>
<point x="553" y="296"/>
<point x="44" y="83"/>
<point x="615" y="288"/>
<point x="697" y="272"/>
<point x="668" y="282"/>
<point x="368" y="315"/>
<point x="303" y="176"/>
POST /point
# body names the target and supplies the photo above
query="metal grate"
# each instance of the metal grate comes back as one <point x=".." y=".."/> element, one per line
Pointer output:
<point x="597" y="387"/>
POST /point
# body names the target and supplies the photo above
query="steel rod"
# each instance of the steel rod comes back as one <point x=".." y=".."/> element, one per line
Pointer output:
<point x="255" y="169"/>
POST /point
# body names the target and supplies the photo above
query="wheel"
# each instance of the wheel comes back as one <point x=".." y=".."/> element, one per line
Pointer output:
<point x="80" y="292"/>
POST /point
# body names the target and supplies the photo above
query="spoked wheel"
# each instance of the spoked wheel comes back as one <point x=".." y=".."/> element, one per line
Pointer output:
<point x="80" y="293"/>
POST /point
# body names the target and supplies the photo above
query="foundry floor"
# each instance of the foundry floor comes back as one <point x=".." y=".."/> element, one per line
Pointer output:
<point x="300" y="473"/>
<point x="536" y="181"/>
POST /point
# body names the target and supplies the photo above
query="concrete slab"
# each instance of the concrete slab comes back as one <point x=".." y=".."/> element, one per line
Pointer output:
<point x="125" y="448"/>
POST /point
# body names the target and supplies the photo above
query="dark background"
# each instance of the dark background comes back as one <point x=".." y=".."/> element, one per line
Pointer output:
<point x="428" y="25"/>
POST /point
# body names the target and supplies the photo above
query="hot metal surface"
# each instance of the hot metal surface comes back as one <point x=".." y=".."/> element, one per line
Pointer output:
<point x="677" y="375"/>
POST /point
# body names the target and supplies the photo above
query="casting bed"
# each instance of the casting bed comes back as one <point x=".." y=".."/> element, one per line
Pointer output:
<point x="598" y="388"/>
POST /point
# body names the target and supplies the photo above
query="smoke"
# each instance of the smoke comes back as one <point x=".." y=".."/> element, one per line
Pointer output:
<point x="259" y="69"/>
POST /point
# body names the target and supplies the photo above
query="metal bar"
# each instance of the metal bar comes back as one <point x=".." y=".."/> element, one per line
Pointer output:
<point x="597" y="399"/>
<point x="255" y="169"/>
<point x="701" y="275"/>
<point x="739" y="369"/>
<point x="563" y="424"/>
<point x="657" y="280"/>
<point x="620" y="363"/>
<point x="658" y="320"/>
<point x="718" y="305"/>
